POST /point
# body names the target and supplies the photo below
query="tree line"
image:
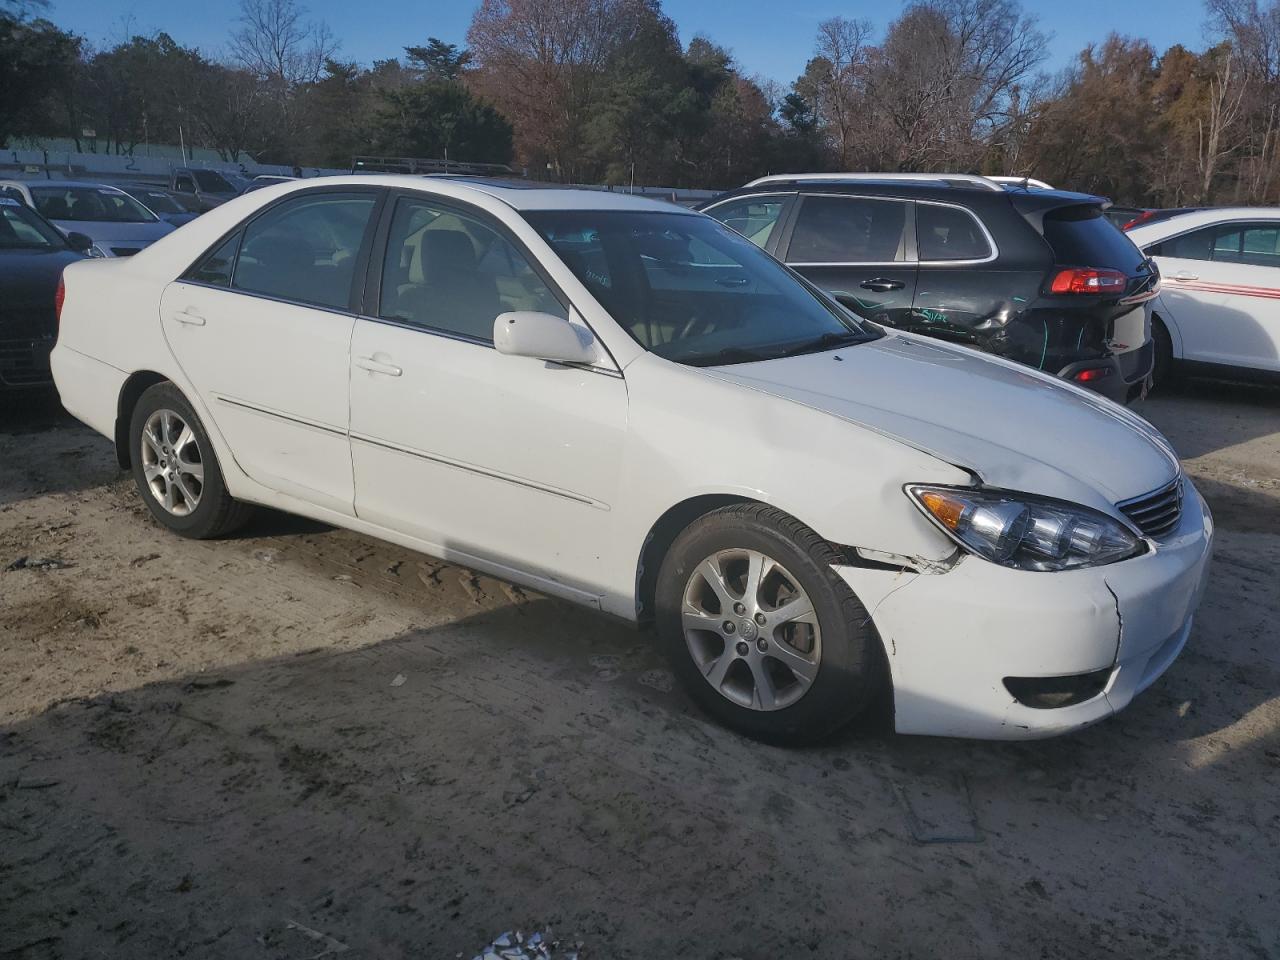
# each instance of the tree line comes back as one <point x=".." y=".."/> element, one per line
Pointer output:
<point x="604" y="91"/>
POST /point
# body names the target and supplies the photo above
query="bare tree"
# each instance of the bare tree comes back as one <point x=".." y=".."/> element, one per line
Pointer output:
<point x="945" y="76"/>
<point x="540" y="62"/>
<point x="1218" y="134"/>
<point x="842" y="46"/>
<point x="277" y="43"/>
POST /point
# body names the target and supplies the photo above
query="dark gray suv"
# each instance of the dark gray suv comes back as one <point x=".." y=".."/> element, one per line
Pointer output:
<point x="1038" y="276"/>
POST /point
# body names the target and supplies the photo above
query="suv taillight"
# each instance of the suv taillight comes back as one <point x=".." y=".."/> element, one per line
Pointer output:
<point x="1088" y="280"/>
<point x="58" y="298"/>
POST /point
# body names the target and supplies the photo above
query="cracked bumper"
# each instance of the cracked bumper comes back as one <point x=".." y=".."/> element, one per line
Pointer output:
<point x="951" y="638"/>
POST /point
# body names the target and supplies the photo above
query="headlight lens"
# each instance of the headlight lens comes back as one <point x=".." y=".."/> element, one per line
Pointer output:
<point x="1026" y="532"/>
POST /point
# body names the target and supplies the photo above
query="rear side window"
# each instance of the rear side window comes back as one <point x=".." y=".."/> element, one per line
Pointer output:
<point x="949" y="233"/>
<point x="755" y="218"/>
<point x="1082" y="237"/>
<point x="839" y="229"/>
<point x="1256" y="245"/>
<point x="305" y="249"/>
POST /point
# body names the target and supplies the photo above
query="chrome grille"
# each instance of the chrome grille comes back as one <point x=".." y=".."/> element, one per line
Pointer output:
<point x="1158" y="512"/>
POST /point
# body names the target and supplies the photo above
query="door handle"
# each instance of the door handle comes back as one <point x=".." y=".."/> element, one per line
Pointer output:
<point x="1184" y="275"/>
<point x="189" y="317"/>
<point x="377" y="366"/>
<point x="882" y="284"/>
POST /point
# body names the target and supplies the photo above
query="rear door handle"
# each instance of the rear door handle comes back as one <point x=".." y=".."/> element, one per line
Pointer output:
<point x="189" y="317"/>
<point x="1184" y="275"/>
<point x="882" y="284"/>
<point x="377" y="366"/>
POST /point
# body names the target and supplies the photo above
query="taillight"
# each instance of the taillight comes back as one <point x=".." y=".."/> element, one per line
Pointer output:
<point x="1093" y="373"/>
<point x="59" y="296"/>
<point x="1088" y="280"/>
<point x="1141" y="218"/>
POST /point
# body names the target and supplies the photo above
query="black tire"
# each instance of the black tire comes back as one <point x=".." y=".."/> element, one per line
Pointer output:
<point x="851" y="673"/>
<point x="1162" y="374"/>
<point x="216" y="512"/>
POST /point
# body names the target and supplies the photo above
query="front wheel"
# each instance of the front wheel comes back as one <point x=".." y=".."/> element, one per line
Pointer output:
<point x="762" y="632"/>
<point x="175" y="468"/>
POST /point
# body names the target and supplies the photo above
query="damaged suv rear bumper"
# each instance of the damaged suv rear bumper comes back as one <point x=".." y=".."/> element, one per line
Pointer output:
<point x="953" y="638"/>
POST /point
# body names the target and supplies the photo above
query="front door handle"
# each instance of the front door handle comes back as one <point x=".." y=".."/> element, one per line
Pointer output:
<point x="189" y="317"/>
<point x="377" y="366"/>
<point x="882" y="284"/>
<point x="1184" y="275"/>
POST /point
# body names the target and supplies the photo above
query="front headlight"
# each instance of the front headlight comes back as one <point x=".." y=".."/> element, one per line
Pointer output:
<point x="1026" y="532"/>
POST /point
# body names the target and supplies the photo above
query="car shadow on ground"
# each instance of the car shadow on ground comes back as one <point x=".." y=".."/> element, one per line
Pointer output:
<point x="533" y="765"/>
<point x="32" y="411"/>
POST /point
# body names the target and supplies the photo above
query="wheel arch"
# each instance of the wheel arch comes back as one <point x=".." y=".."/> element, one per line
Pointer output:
<point x="1166" y="322"/>
<point x="663" y="534"/>
<point x="134" y="387"/>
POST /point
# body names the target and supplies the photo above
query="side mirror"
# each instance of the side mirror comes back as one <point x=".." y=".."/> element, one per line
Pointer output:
<point x="79" y="242"/>
<point x="543" y="336"/>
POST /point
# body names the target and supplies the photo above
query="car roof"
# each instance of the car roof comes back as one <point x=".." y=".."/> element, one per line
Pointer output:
<point x="944" y="187"/>
<point x="1182" y="222"/>
<point x="517" y="194"/>
<point x="92" y="184"/>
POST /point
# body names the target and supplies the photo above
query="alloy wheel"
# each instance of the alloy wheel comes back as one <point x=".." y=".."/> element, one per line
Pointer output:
<point x="751" y="629"/>
<point x="172" y="464"/>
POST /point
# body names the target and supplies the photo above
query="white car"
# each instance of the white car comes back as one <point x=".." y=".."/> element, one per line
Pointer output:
<point x="626" y="404"/>
<point x="118" y="225"/>
<point x="1219" y="307"/>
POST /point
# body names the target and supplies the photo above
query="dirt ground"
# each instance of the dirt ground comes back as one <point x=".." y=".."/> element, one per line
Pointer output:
<point x="302" y="742"/>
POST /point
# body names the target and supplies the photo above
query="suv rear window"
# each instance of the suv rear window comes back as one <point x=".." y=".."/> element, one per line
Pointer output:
<point x="1082" y="237"/>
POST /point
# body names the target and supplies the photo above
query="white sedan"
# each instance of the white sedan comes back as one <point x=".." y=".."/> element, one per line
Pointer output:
<point x="1219" y="307"/>
<point x="626" y="404"/>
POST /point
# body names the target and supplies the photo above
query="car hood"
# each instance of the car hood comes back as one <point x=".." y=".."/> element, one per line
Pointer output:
<point x="106" y="233"/>
<point x="28" y="278"/>
<point x="1011" y="426"/>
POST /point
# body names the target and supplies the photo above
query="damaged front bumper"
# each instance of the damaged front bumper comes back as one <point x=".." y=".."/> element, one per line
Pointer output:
<point x="952" y="638"/>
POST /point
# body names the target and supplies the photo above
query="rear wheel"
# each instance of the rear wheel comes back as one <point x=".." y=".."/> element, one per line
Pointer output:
<point x="176" y="470"/>
<point x="761" y="631"/>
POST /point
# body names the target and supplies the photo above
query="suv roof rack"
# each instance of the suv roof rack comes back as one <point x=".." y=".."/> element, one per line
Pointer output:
<point x="950" y="179"/>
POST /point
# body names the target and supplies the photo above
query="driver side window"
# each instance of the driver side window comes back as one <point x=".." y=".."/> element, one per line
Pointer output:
<point x="447" y="271"/>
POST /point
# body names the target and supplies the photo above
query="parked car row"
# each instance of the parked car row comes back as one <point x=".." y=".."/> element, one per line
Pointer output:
<point x="629" y="405"/>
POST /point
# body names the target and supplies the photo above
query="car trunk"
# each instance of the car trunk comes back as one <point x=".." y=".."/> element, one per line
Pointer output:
<point x="1081" y="326"/>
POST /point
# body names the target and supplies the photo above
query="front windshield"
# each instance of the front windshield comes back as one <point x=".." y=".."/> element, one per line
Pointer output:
<point x="90" y="204"/>
<point x="22" y="229"/>
<point x="157" y="202"/>
<point x="691" y="290"/>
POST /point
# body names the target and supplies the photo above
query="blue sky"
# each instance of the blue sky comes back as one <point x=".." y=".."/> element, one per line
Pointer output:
<point x="769" y="37"/>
